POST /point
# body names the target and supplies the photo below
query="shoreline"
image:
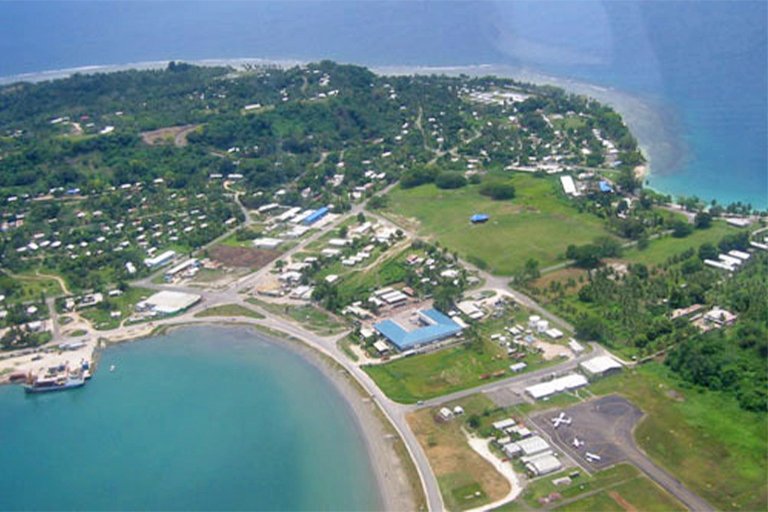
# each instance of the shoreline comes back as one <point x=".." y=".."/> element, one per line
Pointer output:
<point x="643" y="118"/>
<point x="655" y="124"/>
<point x="375" y="429"/>
<point x="385" y="463"/>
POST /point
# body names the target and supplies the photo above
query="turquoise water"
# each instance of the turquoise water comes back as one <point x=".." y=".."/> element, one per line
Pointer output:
<point x="201" y="419"/>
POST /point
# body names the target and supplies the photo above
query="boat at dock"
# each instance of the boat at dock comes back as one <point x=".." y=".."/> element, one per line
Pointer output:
<point x="58" y="378"/>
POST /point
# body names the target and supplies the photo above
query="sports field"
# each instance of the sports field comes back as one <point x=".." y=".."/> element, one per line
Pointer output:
<point x="538" y="223"/>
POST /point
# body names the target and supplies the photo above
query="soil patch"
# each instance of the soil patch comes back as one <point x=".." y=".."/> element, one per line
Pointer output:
<point x="622" y="502"/>
<point x="242" y="256"/>
<point x="172" y="134"/>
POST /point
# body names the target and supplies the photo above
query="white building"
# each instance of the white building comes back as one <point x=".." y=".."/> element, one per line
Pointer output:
<point x="566" y="383"/>
<point x="544" y="464"/>
<point x="599" y="366"/>
<point x="267" y="243"/>
<point x="160" y="259"/>
<point x="168" y="302"/>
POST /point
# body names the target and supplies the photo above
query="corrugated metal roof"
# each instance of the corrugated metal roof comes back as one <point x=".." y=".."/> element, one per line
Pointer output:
<point x="440" y="327"/>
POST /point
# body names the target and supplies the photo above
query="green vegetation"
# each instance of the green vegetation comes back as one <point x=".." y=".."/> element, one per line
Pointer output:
<point x="660" y="250"/>
<point x="28" y="286"/>
<point x="470" y="364"/>
<point x="466" y="480"/>
<point x="702" y="437"/>
<point x="345" y="344"/>
<point x="99" y="315"/>
<point x="536" y="224"/>
<point x="309" y="316"/>
<point x="602" y="491"/>
<point x="229" y="310"/>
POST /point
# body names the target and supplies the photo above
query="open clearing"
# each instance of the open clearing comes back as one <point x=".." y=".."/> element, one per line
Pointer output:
<point x="242" y="256"/>
<point x="172" y="134"/>
<point x="622" y="488"/>
<point x="466" y="479"/>
<point x="229" y="310"/>
<point x="660" y="250"/>
<point x="537" y="223"/>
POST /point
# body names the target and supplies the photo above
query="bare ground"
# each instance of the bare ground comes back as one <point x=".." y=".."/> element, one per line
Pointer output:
<point x="178" y="134"/>
<point x="243" y="257"/>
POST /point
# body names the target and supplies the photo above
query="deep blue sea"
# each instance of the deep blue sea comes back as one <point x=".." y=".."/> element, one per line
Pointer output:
<point x="702" y="65"/>
<point x="200" y="419"/>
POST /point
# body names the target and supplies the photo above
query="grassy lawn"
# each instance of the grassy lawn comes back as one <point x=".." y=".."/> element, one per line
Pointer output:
<point x="466" y="480"/>
<point x="32" y="285"/>
<point x="715" y="448"/>
<point x="99" y="315"/>
<point x="410" y="379"/>
<point x="663" y="248"/>
<point x="605" y="491"/>
<point x="537" y="223"/>
<point x="345" y="344"/>
<point x="229" y="310"/>
<point x="311" y="317"/>
<point x="355" y="285"/>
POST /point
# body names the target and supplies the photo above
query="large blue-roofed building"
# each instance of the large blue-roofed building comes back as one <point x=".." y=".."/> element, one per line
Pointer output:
<point x="436" y="327"/>
<point x="316" y="216"/>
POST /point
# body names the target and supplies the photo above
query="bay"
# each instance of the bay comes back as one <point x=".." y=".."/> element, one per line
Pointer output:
<point x="204" y="418"/>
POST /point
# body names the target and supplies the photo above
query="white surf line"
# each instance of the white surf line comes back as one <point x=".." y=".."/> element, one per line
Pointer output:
<point x="480" y="446"/>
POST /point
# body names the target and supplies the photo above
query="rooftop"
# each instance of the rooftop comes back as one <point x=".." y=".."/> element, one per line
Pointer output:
<point x="438" y="326"/>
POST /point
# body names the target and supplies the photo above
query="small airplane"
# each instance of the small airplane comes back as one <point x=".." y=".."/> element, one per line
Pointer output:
<point x="561" y="420"/>
<point x="592" y="457"/>
<point x="577" y="443"/>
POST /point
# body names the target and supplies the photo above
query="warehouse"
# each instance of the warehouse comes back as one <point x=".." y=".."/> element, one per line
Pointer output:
<point x="545" y="389"/>
<point x="315" y="216"/>
<point x="187" y="265"/>
<point x="435" y="327"/>
<point x="543" y="465"/>
<point x="168" y="303"/>
<point x="529" y="446"/>
<point x="160" y="259"/>
<point x="599" y="366"/>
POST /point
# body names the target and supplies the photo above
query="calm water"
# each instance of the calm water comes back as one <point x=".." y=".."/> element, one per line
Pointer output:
<point x="201" y="419"/>
<point x="702" y="64"/>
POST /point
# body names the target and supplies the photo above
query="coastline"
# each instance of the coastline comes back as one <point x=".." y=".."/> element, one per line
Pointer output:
<point x="390" y="470"/>
<point x="645" y="118"/>
<point x="391" y="477"/>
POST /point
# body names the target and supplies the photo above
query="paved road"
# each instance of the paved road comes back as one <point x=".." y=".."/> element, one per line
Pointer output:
<point x="395" y="412"/>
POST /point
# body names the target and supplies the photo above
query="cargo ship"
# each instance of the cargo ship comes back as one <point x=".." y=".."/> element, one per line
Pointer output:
<point x="56" y="379"/>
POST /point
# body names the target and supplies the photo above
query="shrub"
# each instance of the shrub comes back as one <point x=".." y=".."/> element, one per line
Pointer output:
<point x="498" y="190"/>
<point x="450" y="180"/>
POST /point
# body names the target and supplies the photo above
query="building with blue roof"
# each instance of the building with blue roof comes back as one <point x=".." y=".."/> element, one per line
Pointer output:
<point x="605" y="186"/>
<point x="478" y="218"/>
<point x="316" y="216"/>
<point x="435" y="327"/>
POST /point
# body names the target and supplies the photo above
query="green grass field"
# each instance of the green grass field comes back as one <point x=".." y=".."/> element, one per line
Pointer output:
<point x="311" y="317"/>
<point x="662" y="249"/>
<point x="537" y="223"/>
<point x="598" y="492"/>
<point x="702" y="437"/>
<point x="32" y="285"/>
<point x="229" y="310"/>
<point x="452" y="369"/>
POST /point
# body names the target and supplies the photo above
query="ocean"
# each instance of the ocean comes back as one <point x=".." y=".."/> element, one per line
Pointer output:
<point x="204" y="418"/>
<point x="699" y="66"/>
